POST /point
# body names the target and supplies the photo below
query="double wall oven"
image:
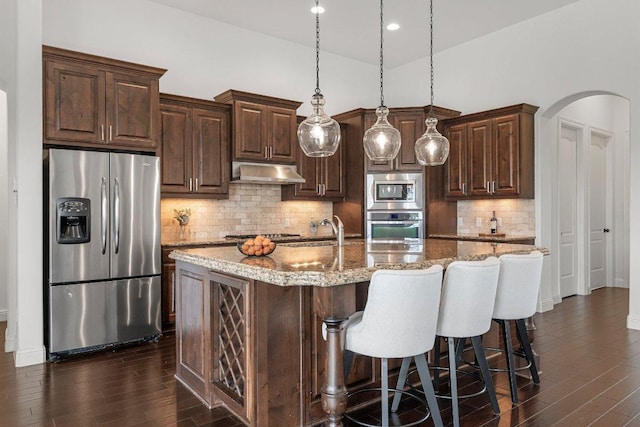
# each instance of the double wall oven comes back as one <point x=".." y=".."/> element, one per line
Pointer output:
<point x="395" y="206"/>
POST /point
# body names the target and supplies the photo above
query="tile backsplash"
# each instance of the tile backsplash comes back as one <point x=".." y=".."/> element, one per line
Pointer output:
<point x="515" y="216"/>
<point x="250" y="208"/>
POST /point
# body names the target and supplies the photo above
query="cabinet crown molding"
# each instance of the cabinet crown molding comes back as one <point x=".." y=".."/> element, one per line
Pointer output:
<point x="232" y="95"/>
<point x="51" y="52"/>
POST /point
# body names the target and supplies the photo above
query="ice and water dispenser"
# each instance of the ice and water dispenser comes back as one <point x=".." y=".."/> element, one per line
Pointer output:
<point x="73" y="220"/>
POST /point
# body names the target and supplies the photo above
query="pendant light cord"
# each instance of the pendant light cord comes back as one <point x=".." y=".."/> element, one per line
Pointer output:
<point x="381" y="55"/>
<point x="317" y="50"/>
<point x="431" y="54"/>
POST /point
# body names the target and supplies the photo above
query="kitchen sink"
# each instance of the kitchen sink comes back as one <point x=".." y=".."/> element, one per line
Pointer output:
<point x="320" y="243"/>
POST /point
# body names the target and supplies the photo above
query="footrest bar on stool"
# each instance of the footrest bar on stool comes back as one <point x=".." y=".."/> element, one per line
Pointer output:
<point x="518" y="353"/>
<point x="413" y="396"/>
<point x="444" y="396"/>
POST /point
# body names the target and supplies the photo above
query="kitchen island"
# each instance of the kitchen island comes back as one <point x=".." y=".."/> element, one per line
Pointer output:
<point x="249" y="329"/>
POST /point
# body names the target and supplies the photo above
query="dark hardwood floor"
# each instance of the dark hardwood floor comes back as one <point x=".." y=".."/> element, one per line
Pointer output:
<point x="590" y="365"/>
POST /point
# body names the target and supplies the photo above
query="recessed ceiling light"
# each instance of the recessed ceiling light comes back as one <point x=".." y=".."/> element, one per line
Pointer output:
<point x="393" y="26"/>
<point x="319" y="9"/>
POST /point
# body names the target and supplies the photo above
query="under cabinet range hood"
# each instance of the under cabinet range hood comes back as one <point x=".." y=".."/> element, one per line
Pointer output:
<point x="264" y="173"/>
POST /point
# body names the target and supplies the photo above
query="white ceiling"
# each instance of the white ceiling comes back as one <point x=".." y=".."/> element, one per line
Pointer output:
<point x="351" y="28"/>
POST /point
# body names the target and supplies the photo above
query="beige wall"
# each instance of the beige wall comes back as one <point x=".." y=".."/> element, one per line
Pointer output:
<point x="251" y="208"/>
<point x="515" y="217"/>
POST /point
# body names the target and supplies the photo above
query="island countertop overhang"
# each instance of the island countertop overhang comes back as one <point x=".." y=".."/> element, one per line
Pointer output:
<point x="324" y="264"/>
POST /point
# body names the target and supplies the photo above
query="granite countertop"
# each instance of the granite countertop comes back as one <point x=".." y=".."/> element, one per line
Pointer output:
<point x="221" y="241"/>
<point x="323" y="264"/>
<point x="477" y="237"/>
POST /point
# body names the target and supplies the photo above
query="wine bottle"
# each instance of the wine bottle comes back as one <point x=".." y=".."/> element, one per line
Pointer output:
<point x="494" y="223"/>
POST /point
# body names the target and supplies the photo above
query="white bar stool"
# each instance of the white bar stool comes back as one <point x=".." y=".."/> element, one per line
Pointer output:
<point x="466" y="306"/>
<point x="516" y="300"/>
<point x="399" y="321"/>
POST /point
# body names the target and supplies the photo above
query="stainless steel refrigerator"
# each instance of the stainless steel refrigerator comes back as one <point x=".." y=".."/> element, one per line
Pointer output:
<point x="103" y="239"/>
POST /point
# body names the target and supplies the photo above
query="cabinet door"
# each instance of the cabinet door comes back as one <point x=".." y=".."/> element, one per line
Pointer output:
<point x="456" y="165"/>
<point x="479" y="157"/>
<point x="210" y="148"/>
<point x="168" y="296"/>
<point x="74" y="105"/>
<point x="282" y="139"/>
<point x="411" y="127"/>
<point x="334" y="171"/>
<point x="506" y="156"/>
<point x="175" y="145"/>
<point x="250" y="127"/>
<point x="132" y="110"/>
<point x="309" y="168"/>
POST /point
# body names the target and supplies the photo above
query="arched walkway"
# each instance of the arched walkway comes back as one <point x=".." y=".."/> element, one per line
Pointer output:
<point x="590" y="113"/>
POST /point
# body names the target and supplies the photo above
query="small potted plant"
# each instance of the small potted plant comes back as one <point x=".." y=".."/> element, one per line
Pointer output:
<point x="182" y="216"/>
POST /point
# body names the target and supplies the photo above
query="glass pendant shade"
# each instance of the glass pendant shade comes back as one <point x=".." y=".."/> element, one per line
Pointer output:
<point x="319" y="134"/>
<point x="432" y="149"/>
<point x="382" y="141"/>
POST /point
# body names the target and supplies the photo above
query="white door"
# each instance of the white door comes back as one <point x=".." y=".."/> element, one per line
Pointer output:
<point x="598" y="202"/>
<point x="567" y="204"/>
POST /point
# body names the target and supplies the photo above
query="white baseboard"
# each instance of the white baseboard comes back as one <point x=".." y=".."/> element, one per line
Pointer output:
<point x="619" y="283"/>
<point x="557" y="299"/>
<point x="633" y="322"/>
<point x="545" y="305"/>
<point x="9" y="344"/>
<point x="30" y="357"/>
<point x="4" y="315"/>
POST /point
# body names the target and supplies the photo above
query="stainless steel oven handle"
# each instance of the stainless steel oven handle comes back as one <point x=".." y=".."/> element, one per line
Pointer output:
<point x="116" y="213"/>
<point x="103" y="215"/>
<point x="395" y="222"/>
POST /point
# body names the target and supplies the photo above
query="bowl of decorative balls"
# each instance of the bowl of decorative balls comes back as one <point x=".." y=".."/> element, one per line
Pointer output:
<point x="258" y="246"/>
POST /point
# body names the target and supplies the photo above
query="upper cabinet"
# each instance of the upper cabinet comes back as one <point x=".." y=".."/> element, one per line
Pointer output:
<point x="264" y="128"/>
<point x="410" y="123"/>
<point x="91" y="100"/>
<point x="324" y="176"/>
<point x="194" y="147"/>
<point x="491" y="154"/>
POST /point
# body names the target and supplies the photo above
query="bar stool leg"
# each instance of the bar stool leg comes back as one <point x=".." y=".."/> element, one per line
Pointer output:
<point x="454" y="382"/>
<point x="478" y="349"/>
<point x="348" y="362"/>
<point x="523" y="337"/>
<point x="506" y="337"/>
<point x="436" y="364"/>
<point x="384" y="377"/>
<point x="425" y="379"/>
<point x="402" y="377"/>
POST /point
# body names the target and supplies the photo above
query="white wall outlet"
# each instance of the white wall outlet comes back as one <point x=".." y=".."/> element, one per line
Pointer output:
<point x="478" y="222"/>
<point x="286" y="223"/>
<point x="459" y="221"/>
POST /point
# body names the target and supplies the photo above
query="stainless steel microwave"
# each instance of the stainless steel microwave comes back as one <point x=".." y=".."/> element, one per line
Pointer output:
<point x="393" y="191"/>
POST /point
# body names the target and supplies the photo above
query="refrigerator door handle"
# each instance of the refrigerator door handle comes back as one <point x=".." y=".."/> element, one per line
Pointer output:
<point x="116" y="213"/>
<point x="103" y="215"/>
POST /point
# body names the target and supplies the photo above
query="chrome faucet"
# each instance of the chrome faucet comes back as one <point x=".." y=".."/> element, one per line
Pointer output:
<point x="337" y="227"/>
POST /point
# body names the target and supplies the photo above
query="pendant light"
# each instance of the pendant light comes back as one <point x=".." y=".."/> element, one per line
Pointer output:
<point x="381" y="141"/>
<point x="432" y="149"/>
<point x="318" y="134"/>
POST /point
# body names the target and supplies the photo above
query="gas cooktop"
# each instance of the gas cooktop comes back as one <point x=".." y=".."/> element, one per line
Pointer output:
<point x="269" y="235"/>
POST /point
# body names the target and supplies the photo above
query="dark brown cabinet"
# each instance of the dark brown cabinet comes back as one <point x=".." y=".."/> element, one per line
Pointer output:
<point x="324" y="176"/>
<point x="168" y="286"/>
<point x="91" y="100"/>
<point x="410" y="123"/>
<point x="441" y="213"/>
<point x="491" y="154"/>
<point x="264" y="128"/>
<point x="194" y="147"/>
